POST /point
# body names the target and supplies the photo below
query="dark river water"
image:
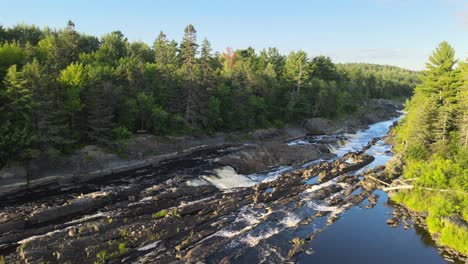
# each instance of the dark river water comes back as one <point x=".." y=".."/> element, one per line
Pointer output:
<point x="361" y="235"/>
<point x="252" y="232"/>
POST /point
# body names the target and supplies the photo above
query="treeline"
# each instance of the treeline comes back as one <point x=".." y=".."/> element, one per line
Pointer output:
<point x="433" y="139"/>
<point x="62" y="89"/>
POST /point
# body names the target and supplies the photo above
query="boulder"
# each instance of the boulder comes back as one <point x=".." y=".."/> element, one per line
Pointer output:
<point x="319" y="126"/>
<point x="370" y="118"/>
<point x="260" y="157"/>
<point x="265" y="134"/>
<point x="394" y="166"/>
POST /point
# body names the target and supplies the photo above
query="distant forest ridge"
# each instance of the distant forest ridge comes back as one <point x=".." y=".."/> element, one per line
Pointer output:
<point x="62" y="89"/>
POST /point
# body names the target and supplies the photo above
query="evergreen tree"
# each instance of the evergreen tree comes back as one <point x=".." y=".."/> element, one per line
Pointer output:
<point x="189" y="68"/>
<point x="69" y="89"/>
<point x="100" y="98"/>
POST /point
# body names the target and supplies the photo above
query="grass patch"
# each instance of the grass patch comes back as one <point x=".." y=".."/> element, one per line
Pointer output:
<point x="101" y="257"/>
<point x="438" y="205"/>
<point x="122" y="248"/>
<point x="159" y="214"/>
<point x="455" y="237"/>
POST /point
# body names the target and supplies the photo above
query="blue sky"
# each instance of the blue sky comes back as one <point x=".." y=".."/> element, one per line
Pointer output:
<point x="396" y="32"/>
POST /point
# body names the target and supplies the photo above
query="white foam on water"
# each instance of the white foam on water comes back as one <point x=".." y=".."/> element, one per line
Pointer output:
<point x="299" y="142"/>
<point x="196" y="182"/>
<point x="322" y="208"/>
<point x="252" y="240"/>
<point x="316" y="187"/>
<point x="269" y="176"/>
<point x="361" y="138"/>
<point x="230" y="233"/>
<point x="247" y="216"/>
<point x="332" y="148"/>
<point x="290" y="221"/>
<point x="267" y="251"/>
<point x="228" y="178"/>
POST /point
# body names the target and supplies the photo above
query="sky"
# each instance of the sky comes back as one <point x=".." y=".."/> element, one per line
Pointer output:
<point x="394" y="32"/>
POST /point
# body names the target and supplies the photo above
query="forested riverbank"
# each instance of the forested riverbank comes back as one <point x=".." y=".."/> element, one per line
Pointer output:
<point x="63" y="89"/>
<point x="433" y="142"/>
<point x="190" y="209"/>
<point x="112" y="150"/>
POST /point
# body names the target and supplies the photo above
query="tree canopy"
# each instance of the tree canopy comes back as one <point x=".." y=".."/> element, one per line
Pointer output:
<point x="433" y="139"/>
<point x="62" y="89"/>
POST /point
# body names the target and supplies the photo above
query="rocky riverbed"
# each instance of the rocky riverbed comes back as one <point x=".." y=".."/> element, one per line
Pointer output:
<point x="197" y="208"/>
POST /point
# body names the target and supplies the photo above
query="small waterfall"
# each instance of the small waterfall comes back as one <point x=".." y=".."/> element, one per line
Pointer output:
<point x="227" y="178"/>
<point x="332" y="148"/>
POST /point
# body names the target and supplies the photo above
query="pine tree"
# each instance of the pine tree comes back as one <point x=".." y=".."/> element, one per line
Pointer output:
<point x="15" y="110"/>
<point x="189" y="68"/>
<point x="441" y="79"/>
<point x="206" y="84"/>
<point x="43" y="98"/>
<point x="161" y="49"/>
<point x="206" y="66"/>
<point x="99" y="109"/>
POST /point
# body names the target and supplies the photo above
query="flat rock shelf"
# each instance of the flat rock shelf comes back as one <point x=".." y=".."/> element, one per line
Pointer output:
<point x="197" y="209"/>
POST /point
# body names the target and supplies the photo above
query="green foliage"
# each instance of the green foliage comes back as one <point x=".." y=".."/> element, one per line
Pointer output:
<point x="62" y="89"/>
<point x="432" y="141"/>
<point x="455" y="237"/>
<point x="101" y="257"/>
<point x="438" y="205"/>
<point x="159" y="214"/>
<point x="121" y="133"/>
<point x="122" y="248"/>
<point x="10" y="54"/>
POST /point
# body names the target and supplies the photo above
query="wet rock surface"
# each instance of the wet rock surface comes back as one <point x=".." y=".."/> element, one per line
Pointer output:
<point x="157" y="217"/>
<point x="164" y="213"/>
<point x="267" y="155"/>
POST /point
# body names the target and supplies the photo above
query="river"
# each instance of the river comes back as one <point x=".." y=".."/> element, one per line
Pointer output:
<point x="233" y="225"/>
<point x="361" y="235"/>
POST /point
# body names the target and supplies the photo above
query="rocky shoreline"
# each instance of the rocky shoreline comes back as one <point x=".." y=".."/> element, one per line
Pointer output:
<point x="248" y="152"/>
<point x="161" y="213"/>
<point x="171" y="222"/>
<point x="403" y="214"/>
<point x="391" y="175"/>
<point x="155" y="213"/>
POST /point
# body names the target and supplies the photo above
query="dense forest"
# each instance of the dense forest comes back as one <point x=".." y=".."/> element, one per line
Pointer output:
<point x="62" y="89"/>
<point x="433" y="139"/>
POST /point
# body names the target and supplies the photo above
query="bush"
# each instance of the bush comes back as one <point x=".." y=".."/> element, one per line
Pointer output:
<point x="121" y="133"/>
<point x="438" y="205"/>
